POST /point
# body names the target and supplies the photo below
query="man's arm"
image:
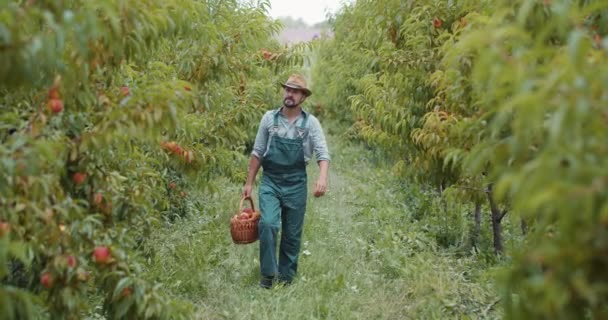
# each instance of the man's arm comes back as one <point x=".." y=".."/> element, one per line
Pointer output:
<point x="321" y="186"/>
<point x="259" y="147"/>
<point x="322" y="154"/>
<point x="254" y="166"/>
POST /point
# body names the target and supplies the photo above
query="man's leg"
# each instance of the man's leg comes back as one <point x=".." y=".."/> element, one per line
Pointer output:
<point x="268" y="227"/>
<point x="294" y="207"/>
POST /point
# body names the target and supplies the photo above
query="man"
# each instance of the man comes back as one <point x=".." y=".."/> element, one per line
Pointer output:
<point x="286" y="139"/>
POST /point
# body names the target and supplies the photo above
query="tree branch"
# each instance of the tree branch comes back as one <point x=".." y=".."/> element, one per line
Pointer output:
<point x="502" y="214"/>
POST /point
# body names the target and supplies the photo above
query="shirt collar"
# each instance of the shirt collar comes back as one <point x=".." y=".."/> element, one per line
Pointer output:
<point x="278" y="112"/>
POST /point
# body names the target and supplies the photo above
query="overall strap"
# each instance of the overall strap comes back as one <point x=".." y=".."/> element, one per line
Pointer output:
<point x="302" y="128"/>
<point x="275" y="126"/>
<point x="276" y="118"/>
<point x="304" y="120"/>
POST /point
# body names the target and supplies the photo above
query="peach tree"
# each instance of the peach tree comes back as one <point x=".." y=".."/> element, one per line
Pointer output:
<point x="535" y="76"/>
<point x="504" y="101"/>
<point x="382" y="70"/>
<point x="112" y="114"/>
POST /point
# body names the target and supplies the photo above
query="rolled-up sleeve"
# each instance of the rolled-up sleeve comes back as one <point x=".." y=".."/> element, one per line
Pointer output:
<point x="319" y="143"/>
<point x="261" y="139"/>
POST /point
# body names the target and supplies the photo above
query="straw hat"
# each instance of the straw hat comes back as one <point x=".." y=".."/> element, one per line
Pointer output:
<point x="297" y="82"/>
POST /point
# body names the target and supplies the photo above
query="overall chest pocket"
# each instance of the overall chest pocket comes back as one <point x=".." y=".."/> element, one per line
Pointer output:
<point x="286" y="152"/>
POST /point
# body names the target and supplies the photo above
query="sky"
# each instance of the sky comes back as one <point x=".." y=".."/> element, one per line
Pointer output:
<point x="311" y="11"/>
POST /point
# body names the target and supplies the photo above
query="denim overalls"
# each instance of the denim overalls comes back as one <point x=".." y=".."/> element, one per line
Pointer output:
<point x="282" y="201"/>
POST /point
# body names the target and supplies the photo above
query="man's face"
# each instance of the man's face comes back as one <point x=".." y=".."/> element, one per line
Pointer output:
<point x="293" y="97"/>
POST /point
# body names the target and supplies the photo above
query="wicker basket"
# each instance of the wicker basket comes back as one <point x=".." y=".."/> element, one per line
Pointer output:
<point x="242" y="230"/>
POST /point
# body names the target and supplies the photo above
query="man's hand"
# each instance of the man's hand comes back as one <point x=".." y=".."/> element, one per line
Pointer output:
<point x="247" y="191"/>
<point x="320" y="187"/>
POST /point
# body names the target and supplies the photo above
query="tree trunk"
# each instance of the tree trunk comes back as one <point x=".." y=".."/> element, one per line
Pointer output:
<point x="524" y="226"/>
<point x="477" y="228"/>
<point x="497" y="216"/>
<point x="441" y="186"/>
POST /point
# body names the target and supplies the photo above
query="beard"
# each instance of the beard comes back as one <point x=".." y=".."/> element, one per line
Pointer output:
<point x="289" y="103"/>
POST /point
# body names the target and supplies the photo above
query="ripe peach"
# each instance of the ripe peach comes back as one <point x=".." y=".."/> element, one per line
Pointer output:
<point x="97" y="198"/>
<point x="188" y="156"/>
<point x="437" y="23"/>
<point x="5" y="228"/>
<point x="46" y="280"/>
<point x="266" y="55"/>
<point x="79" y="177"/>
<point x="101" y="255"/>
<point x="244" y="216"/>
<point x="126" y="292"/>
<point x="55" y="105"/>
<point x="71" y="261"/>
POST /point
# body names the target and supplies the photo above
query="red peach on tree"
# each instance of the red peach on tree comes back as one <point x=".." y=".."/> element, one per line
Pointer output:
<point x="97" y="198"/>
<point x="101" y="255"/>
<point x="79" y="177"/>
<point x="126" y="292"/>
<point x="71" y="260"/>
<point x="46" y="280"/>
<point x="55" y="105"/>
<point x="437" y="23"/>
<point x="5" y="228"/>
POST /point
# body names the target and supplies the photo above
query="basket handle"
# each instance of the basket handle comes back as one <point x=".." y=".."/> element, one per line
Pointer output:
<point x="250" y="202"/>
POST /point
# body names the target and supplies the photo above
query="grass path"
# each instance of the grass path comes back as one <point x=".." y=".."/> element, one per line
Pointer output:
<point x="362" y="258"/>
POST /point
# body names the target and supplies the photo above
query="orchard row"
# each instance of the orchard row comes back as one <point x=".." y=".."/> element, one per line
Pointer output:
<point x="500" y="107"/>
